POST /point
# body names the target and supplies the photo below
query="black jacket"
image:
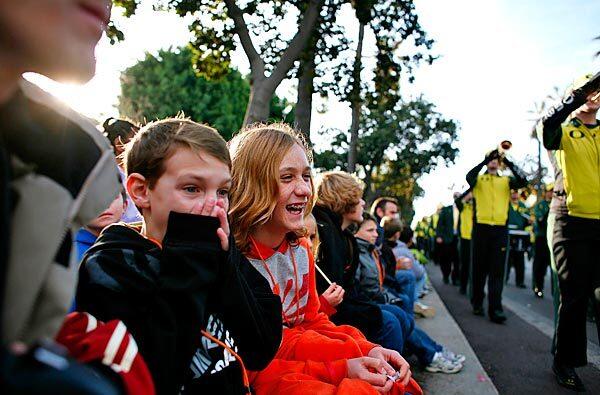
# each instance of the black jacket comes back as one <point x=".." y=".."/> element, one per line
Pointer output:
<point x="338" y="257"/>
<point x="166" y="296"/>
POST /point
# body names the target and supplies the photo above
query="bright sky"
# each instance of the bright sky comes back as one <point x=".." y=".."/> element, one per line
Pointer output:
<point x="499" y="57"/>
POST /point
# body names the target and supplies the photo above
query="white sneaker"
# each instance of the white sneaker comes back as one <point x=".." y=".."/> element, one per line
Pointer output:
<point x="439" y="364"/>
<point x="456" y="358"/>
<point x="424" y="310"/>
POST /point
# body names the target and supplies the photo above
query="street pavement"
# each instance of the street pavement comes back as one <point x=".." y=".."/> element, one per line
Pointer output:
<point x="515" y="355"/>
<point x="472" y="379"/>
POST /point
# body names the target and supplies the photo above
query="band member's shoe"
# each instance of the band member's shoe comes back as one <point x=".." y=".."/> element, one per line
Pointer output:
<point x="497" y="316"/>
<point x="478" y="310"/>
<point x="567" y="377"/>
<point x="521" y="286"/>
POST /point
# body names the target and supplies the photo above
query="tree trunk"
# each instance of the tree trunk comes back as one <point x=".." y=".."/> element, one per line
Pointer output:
<point x="369" y="193"/>
<point x="303" y="114"/>
<point x="355" y="101"/>
<point x="262" y="88"/>
<point x="259" y="102"/>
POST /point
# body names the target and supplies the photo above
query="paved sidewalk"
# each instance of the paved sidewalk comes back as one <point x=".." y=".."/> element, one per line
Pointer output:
<point x="443" y="329"/>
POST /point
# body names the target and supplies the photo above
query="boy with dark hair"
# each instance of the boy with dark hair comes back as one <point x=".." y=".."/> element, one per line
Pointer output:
<point x="397" y="238"/>
<point x="179" y="283"/>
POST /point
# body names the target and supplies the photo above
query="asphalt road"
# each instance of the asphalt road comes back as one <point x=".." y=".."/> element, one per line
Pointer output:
<point x="542" y="307"/>
<point x="516" y="355"/>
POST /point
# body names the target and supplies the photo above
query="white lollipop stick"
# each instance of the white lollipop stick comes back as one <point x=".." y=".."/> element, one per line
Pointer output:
<point x="323" y="274"/>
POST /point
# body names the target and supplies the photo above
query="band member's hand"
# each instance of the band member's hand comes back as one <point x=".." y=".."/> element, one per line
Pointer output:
<point x="591" y="87"/>
<point x="492" y="155"/>
<point x="594" y="98"/>
<point x="334" y="294"/>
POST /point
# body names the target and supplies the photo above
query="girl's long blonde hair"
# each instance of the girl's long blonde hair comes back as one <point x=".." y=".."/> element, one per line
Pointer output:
<point x="256" y="154"/>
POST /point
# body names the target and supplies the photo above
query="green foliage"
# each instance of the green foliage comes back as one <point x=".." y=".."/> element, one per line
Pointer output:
<point x="165" y="85"/>
<point x="402" y="45"/>
<point x="214" y="33"/>
<point x="398" y="146"/>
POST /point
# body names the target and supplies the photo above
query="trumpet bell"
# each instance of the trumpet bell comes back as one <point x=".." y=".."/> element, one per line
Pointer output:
<point x="505" y="145"/>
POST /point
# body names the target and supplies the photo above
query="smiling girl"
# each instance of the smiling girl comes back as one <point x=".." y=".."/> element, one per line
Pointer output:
<point x="271" y="195"/>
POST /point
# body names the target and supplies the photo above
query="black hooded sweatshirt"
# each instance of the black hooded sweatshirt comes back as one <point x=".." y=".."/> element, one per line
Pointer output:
<point x="338" y="257"/>
<point x="167" y="295"/>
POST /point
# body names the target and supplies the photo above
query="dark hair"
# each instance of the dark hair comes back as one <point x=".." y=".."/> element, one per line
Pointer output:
<point x="367" y="217"/>
<point x="391" y="226"/>
<point x="114" y="128"/>
<point x="406" y="234"/>
<point x="147" y="151"/>
<point x="381" y="202"/>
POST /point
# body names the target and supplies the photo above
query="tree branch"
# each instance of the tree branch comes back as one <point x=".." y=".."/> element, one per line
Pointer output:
<point x="257" y="65"/>
<point x="298" y="43"/>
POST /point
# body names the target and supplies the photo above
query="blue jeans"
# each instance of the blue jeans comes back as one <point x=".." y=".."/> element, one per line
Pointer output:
<point x="397" y="326"/>
<point x="420" y="284"/>
<point x="405" y="288"/>
<point x="422" y="346"/>
<point x="416" y="341"/>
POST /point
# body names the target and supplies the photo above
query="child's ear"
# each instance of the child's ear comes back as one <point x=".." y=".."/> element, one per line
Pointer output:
<point x="138" y="190"/>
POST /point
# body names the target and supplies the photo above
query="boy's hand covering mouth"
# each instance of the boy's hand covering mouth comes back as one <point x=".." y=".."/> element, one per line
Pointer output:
<point x="213" y="208"/>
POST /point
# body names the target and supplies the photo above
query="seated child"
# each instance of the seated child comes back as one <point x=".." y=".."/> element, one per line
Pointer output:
<point x="334" y="294"/>
<point x="272" y="193"/>
<point x="339" y="204"/>
<point x="178" y="283"/>
<point x="396" y="251"/>
<point x="87" y="235"/>
<point x="370" y="276"/>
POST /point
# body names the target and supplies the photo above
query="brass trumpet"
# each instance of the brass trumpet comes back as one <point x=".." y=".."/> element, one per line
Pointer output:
<point x="504" y="146"/>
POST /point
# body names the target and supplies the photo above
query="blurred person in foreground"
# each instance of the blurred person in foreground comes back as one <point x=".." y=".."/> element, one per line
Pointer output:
<point x="57" y="173"/>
